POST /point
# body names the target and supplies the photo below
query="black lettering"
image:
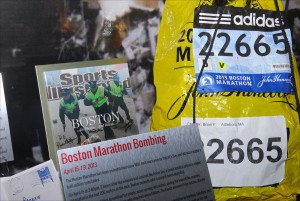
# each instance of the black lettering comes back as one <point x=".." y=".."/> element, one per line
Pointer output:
<point x="89" y="77"/>
<point x="224" y="94"/>
<point x="183" y="55"/>
<point x="97" y="76"/>
<point x="111" y="74"/>
<point x="79" y="89"/>
<point x="189" y="35"/>
<point x="292" y="106"/>
<point x="66" y="79"/>
<point x="104" y="74"/>
<point x="181" y="37"/>
<point x="182" y="105"/>
<point x="77" y="79"/>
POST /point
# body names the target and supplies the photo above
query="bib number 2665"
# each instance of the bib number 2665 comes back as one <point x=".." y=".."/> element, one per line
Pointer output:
<point x="237" y="152"/>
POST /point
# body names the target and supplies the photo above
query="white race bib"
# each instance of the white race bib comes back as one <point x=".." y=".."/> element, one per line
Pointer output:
<point x="249" y="52"/>
<point x="249" y="151"/>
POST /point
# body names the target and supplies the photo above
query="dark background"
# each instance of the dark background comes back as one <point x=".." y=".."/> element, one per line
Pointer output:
<point x="28" y="26"/>
<point x="33" y="32"/>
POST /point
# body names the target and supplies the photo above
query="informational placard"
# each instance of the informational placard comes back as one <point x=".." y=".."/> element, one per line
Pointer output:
<point x="164" y="165"/>
<point x="40" y="182"/>
<point x="6" y="151"/>
<point x="249" y="52"/>
<point x="249" y="151"/>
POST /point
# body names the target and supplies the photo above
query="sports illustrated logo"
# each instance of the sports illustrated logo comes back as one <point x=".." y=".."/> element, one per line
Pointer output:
<point x="206" y="80"/>
<point x="253" y="19"/>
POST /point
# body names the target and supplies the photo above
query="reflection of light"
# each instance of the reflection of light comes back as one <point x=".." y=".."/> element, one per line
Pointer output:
<point x="112" y="9"/>
<point x="14" y="51"/>
<point x="116" y="8"/>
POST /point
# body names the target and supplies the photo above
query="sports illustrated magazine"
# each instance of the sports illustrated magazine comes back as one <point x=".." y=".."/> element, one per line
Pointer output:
<point x="86" y="102"/>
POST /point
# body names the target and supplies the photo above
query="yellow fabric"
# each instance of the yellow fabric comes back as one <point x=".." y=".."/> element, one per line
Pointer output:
<point x="174" y="80"/>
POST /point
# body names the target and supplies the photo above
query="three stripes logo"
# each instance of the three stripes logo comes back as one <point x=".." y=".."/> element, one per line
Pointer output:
<point x="211" y="18"/>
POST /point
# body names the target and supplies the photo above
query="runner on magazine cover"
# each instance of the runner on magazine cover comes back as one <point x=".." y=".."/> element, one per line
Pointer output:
<point x="116" y="91"/>
<point x="96" y="97"/>
<point x="68" y="106"/>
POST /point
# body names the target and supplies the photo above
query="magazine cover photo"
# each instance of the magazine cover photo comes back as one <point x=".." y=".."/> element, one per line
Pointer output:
<point x="86" y="102"/>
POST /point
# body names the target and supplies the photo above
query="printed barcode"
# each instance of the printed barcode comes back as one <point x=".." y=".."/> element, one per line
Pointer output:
<point x="281" y="66"/>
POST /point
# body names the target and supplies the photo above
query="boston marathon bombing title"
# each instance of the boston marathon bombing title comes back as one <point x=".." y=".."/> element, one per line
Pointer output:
<point x="117" y="147"/>
<point x="79" y="83"/>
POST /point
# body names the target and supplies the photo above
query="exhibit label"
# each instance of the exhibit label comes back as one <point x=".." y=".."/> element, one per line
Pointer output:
<point x="163" y="165"/>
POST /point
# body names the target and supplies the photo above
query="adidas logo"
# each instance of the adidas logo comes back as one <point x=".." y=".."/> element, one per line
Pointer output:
<point x="252" y="20"/>
<point x="248" y="20"/>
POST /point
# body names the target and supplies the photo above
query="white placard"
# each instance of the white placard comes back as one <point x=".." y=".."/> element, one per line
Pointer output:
<point x="40" y="182"/>
<point x="248" y="151"/>
<point x="164" y="165"/>
<point x="3" y="195"/>
<point x="6" y="150"/>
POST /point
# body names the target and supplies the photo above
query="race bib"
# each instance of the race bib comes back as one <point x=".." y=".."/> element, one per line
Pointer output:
<point x="249" y="52"/>
<point x="248" y="151"/>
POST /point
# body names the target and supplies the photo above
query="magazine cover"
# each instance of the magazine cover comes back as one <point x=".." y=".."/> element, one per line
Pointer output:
<point x="86" y="102"/>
